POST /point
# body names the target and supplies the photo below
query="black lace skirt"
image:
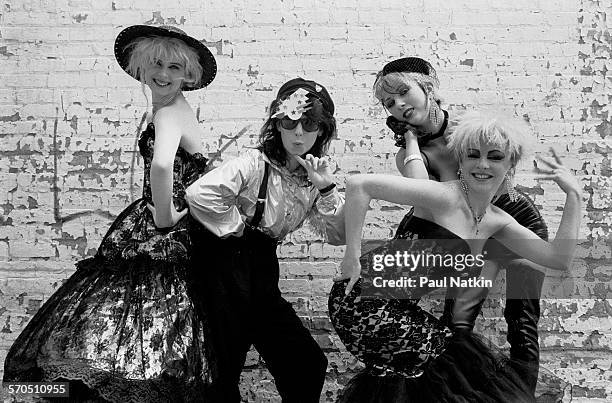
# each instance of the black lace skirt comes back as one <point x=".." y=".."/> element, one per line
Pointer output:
<point x="410" y="356"/>
<point x="124" y="326"/>
<point x="469" y="370"/>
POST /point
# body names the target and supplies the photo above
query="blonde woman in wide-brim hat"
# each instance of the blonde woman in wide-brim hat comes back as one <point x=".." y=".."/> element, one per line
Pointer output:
<point x="125" y="326"/>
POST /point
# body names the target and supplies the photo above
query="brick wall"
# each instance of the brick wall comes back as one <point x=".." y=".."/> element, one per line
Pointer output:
<point x="69" y="117"/>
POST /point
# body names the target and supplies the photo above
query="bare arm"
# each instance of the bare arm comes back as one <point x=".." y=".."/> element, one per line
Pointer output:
<point x="360" y="189"/>
<point x="557" y="254"/>
<point x="167" y="140"/>
<point x="407" y="165"/>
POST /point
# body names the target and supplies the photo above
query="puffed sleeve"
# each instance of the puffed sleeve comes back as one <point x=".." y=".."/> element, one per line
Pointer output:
<point x="212" y="199"/>
<point x="327" y="217"/>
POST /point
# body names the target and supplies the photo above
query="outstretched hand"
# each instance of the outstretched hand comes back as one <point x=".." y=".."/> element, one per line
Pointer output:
<point x="350" y="269"/>
<point x="558" y="173"/>
<point x="175" y="216"/>
<point x="317" y="170"/>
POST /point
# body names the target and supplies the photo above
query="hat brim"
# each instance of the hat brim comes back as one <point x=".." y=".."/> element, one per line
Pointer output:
<point x="206" y="58"/>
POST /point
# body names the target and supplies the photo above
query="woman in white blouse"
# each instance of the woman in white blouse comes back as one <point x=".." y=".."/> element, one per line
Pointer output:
<point x="246" y="207"/>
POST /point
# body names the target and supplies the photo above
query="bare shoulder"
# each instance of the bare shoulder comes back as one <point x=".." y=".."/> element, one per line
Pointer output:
<point x="436" y="147"/>
<point x="178" y="112"/>
<point x="499" y="218"/>
<point x="453" y="188"/>
<point x="167" y="116"/>
<point x="441" y="160"/>
<point x="452" y="192"/>
<point x="189" y="122"/>
<point x="179" y="120"/>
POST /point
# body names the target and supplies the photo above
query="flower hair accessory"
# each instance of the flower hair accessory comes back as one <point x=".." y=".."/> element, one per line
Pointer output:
<point x="316" y="93"/>
<point x="294" y="106"/>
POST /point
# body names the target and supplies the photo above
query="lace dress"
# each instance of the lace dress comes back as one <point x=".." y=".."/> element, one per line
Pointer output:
<point x="412" y="356"/>
<point x="124" y="326"/>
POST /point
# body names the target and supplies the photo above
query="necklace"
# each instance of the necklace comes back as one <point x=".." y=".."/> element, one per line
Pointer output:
<point x="477" y="218"/>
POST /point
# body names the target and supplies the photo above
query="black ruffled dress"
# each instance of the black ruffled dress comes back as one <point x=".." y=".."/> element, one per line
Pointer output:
<point x="123" y="327"/>
<point x="412" y="356"/>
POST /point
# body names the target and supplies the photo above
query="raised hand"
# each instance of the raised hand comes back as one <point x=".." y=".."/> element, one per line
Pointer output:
<point x="175" y="216"/>
<point x="555" y="171"/>
<point x="317" y="170"/>
<point x="400" y="130"/>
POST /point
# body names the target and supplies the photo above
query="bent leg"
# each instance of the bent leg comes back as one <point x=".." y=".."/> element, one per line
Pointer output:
<point x="292" y="356"/>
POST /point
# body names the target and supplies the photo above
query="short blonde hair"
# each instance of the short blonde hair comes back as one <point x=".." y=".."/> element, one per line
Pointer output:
<point x="509" y="134"/>
<point x="146" y="50"/>
<point x="392" y="83"/>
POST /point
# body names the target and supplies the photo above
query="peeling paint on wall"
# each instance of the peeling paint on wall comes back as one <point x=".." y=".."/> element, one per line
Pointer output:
<point x="70" y="119"/>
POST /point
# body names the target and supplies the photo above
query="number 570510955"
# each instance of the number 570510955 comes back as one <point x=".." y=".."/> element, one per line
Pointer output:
<point x="44" y="389"/>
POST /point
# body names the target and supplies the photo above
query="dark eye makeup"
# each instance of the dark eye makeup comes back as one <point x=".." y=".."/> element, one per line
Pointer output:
<point x="403" y="90"/>
<point x="495" y="155"/>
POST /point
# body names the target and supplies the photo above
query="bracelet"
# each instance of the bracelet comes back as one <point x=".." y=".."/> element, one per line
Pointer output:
<point x="412" y="157"/>
<point x="327" y="188"/>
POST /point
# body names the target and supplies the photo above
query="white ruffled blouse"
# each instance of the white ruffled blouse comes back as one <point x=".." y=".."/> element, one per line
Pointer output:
<point x="225" y="197"/>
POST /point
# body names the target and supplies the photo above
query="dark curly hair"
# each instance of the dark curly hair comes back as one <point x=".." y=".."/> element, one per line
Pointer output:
<point x="271" y="144"/>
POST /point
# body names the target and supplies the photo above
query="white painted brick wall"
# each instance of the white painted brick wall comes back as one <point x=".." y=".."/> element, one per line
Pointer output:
<point x="546" y="60"/>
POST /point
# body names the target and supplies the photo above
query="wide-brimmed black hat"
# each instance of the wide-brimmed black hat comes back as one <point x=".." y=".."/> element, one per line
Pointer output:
<point x="207" y="60"/>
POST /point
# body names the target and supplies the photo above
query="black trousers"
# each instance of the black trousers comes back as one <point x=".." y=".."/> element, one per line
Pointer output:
<point x="523" y="290"/>
<point x="244" y="306"/>
<point x="522" y="316"/>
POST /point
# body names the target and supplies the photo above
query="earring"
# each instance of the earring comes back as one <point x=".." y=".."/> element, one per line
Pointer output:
<point x="462" y="181"/>
<point x="434" y="110"/>
<point x="512" y="193"/>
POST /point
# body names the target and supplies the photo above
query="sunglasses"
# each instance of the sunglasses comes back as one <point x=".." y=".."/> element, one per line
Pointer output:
<point x="308" y="124"/>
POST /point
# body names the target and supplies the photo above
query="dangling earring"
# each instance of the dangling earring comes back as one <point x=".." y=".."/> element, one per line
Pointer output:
<point x="512" y="193"/>
<point x="434" y="111"/>
<point x="462" y="181"/>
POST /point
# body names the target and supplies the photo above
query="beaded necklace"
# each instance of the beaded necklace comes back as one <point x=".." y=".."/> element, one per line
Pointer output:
<point x="477" y="218"/>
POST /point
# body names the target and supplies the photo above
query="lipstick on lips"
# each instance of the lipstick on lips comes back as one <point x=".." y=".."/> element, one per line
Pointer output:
<point x="408" y="113"/>
<point x="481" y="176"/>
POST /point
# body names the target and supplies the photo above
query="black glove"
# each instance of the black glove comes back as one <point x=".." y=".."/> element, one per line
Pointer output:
<point x="399" y="128"/>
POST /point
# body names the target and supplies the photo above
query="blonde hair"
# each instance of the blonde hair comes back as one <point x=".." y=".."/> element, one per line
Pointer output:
<point x="146" y="50"/>
<point x="393" y="83"/>
<point x="509" y="134"/>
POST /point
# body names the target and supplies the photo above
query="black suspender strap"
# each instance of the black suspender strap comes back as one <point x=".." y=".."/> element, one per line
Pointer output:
<point x="261" y="198"/>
